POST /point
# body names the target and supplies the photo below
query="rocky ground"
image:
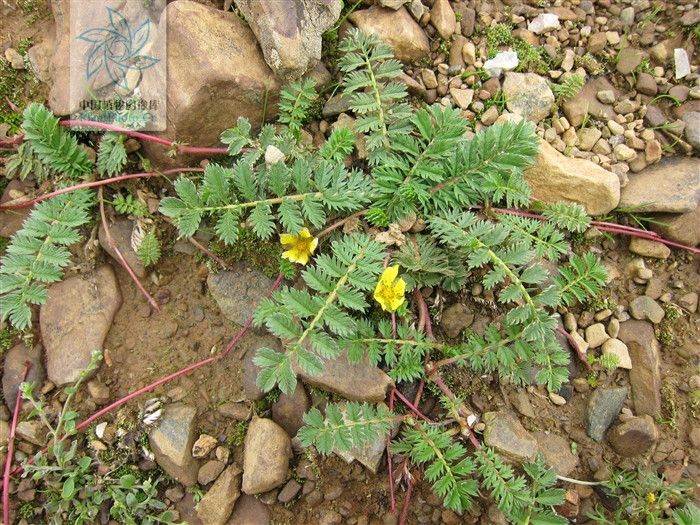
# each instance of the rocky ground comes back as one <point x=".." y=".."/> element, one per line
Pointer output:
<point x="625" y="146"/>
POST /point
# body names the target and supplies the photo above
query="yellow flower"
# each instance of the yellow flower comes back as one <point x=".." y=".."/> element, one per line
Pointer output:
<point x="301" y="246"/>
<point x="651" y="498"/>
<point x="389" y="291"/>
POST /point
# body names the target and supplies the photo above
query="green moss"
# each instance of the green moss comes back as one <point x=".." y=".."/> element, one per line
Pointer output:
<point x="18" y="86"/>
<point x="6" y="337"/>
<point x="261" y="255"/>
<point x="237" y="435"/>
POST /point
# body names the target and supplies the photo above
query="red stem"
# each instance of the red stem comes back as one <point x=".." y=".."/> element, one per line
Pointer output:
<point x="407" y="501"/>
<point x="207" y="251"/>
<point x="410" y="405"/>
<point x="609" y="227"/>
<point x="389" y="462"/>
<point x="97" y="183"/>
<point x="11" y="450"/>
<point x="193" y="150"/>
<point x="581" y="355"/>
<point x="87" y="422"/>
<point x="121" y="258"/>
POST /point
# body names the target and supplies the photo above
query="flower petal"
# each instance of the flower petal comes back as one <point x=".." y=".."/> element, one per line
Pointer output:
<point x="389" y="274"/>
<point x="304" y="233"/>
<point x="288" y="238"/>
<point x="312" y="246"/>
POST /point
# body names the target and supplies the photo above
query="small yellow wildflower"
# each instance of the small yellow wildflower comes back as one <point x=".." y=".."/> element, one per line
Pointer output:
<point x="390" y="290"/>
<point x="301" y="246"/>
<point x="651" y="498"/>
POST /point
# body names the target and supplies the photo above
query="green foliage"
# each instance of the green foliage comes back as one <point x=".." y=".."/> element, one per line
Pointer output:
<point x="583" y="277"/>
<point x="428" y="264"/>
<point x="520" y="501"/>
<point x="263" y="196"/>
<point x="339" y="145"/>
<point x="57" y="149"/>
<point x="369" y="72"/>
<point x="570" y="87"/>
<point x="448" y="467"/>
<point x="339" y="281"/>
<point x="296" y="101"/>
<point x="111" y="155"/>
<point x="38" y="253"/>
<point x="645" y="497"/>
<point x="128" y="205"/>
<point x="25" y="162"/>
<point x="345" y="426"/>
<point x="72" y="490"/>
<point x="6" y="338"/>
<point x="567" y="216"/>
<point x="403" y="354"/>
<point x="149" y="249"/>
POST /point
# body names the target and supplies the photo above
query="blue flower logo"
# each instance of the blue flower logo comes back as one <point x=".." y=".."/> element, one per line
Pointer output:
<point x="116" y="49"/>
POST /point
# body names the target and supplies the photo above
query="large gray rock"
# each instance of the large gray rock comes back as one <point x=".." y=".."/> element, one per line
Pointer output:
<point x="528" y="95"/>
<point x="171" y="441"/>
<point x="396" y="28"/>
<point x="507" y="436"/>
<point x="215" y="74"/>
<point x="238" y="291"/>
<point x="266" y="455"/>
<point x="120" y="231"/>
<point x="290" y="31"/>
<point x="75" y="320"/>
<point x="356" y="382"/>
<point x="645" y="376"/>
<point x="587" y="103"/>
<point x="13" y="371"/>
<point x="555" y="177"/>
<point x="603" y="407"/>
<point x="671" y="185"/>
<point x="217" y="504"/>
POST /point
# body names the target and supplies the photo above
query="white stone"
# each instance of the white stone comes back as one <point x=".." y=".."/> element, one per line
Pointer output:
<point x="543" y="23"/>
<point x="503" y="61"/>
<point x="682" y="63"/>
<point x="618" y="348"/>
<point x="273" y="155"/>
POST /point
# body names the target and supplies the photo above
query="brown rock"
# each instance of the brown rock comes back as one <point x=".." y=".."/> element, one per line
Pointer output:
<point x="597" y="42"/>
<point x="586" y="102"/>
<point x="289" y="409"/>
<point x="557" y="452"/>
<point x="11" y="220"/>
<point x="683" y="228"/>
<point x="645" y="376"/>
<point x="238" y="291"/>
<point x="232" y="77"/>
<point x="634" y="437"/>
<point x="217" y="504"/>
<point x="456" y="318"/>
<point x="13" y="371"/>
<point x="508" y="437"/>
<point x="671" y="185"/>
<point x="250" y="511"/>
<point x="396" y="28"/>
<point x="628" y="59"/>
<point x="290" y="32"/>
<point x="121" y="230"/>
<point x="555" y="177"/>
<point x="443" y="18"/>
<point x="209" y="471"/>
<point x="171" y="441"/>
<point x="265" y="457"/>
<point x="356" y="382"/>
<point x="75" y="320"/>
